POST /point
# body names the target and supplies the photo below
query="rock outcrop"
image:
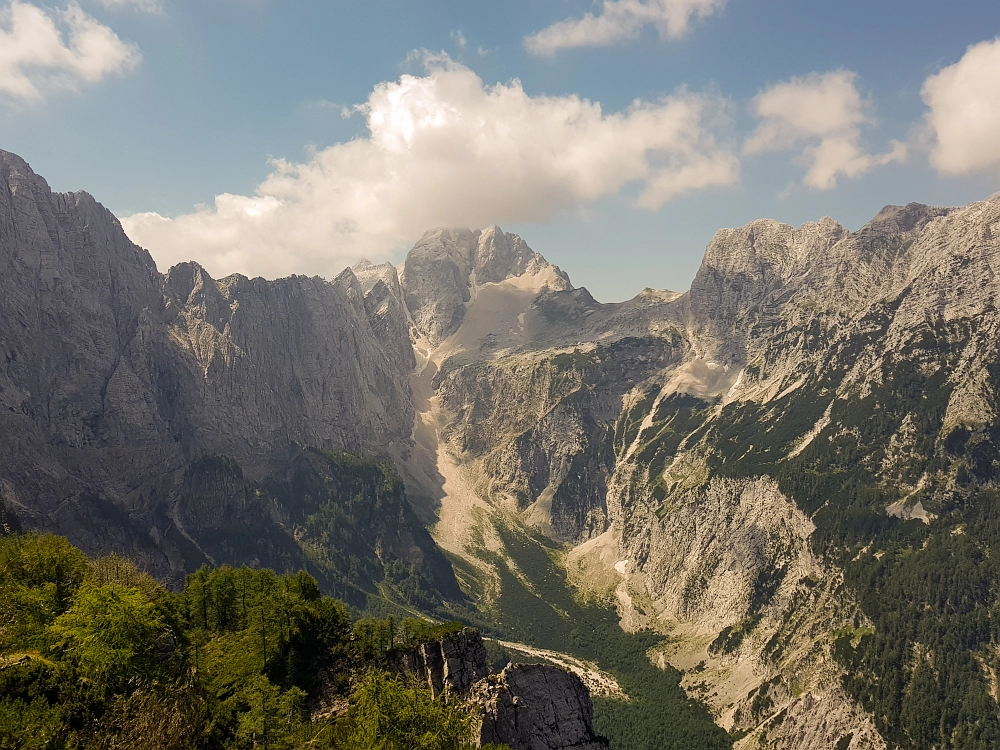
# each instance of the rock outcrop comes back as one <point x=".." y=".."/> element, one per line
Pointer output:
<point x="537" y="707"/>
<point x="526" y="706"/>
<point x="450" y="666"/>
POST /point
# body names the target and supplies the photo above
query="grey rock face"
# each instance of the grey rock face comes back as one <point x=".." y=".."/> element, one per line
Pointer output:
<point x="541" y="425"/>
<point x="723" y="551"/>
<point x="528" y="707"/>
<point x="80" y="308"/>
<point x="299" y="359"/>
<point x="783" y="331"/>
<point x="744" y="273"/>
<point x="729" y="566"/>
<point x="369" y="274"/>
<point x="115" y="377"/>
<point x="386" y="310"/>
<point x="450" y="666"/>
<point x="537" y="707"/>
<point x="120" y="388"/>
<point x="444" y="268"/>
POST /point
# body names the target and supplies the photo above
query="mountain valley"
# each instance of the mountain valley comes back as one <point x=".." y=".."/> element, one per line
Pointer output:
<point x="767" y="508"/>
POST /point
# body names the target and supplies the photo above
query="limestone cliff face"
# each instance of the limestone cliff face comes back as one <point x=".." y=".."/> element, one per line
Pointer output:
<point x="838" y="344"/>
<point x="448" y="667"/>
<point x="717" y="447"/>
<point x="784" y="302"/>
<point x="80" y="307"/>
<point x="116" y="380"/>
<point x="744" y="274"/>
<point x="298" y="359"/>
<point x="524" y="392"/>
<point x="539" y="427"/>
<point x="798" y="352"/>
<point x="526" y="706"/>
<point x="444" y="269"/>
<point x="728" y="568"/>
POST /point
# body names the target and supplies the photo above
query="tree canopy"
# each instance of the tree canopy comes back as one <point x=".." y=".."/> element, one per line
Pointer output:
<point x="96" y="654"/>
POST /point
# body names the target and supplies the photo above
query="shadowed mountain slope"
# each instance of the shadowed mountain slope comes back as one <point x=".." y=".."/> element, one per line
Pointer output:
<point x="129" y="398"/>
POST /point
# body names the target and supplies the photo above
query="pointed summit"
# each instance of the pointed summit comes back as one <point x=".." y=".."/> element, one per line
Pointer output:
<point x="445" y="268"/>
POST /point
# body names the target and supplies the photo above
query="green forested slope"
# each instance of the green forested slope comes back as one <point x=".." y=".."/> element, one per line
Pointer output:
<point x="537" y="606"/>
<point x="926" y="663"/>
<point x="95" y="654"/>
<point x="345" y="518"/>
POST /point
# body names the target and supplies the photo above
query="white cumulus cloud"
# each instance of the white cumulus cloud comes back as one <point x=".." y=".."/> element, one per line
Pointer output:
<point x="145" y="6"/>
<point x="618" y="21"/>
<point x="822" y="114"/>
<point x="964" y="111"/>
<point x="42" y="50"/>
<point x="443" y="149"/>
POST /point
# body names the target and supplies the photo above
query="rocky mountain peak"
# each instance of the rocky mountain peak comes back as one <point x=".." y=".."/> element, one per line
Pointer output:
<point x="15" y="171"/>
<point x="449" y="666"/>
<point x="500" y="256"/>
<point x="767" y="249"/>
<point x="369" y="274"/>
<point x="187" y="279"/>
<point x="349" y="283"/>
<point x="745" y="268"/>
<point x="526" y="706"/>
<point x="446" y="266"/>
<point x="903" y="219"/>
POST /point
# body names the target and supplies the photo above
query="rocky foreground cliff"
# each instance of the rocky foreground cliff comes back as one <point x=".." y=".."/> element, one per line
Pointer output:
<point x="790" y="470"/>
<point x="524" y="706"/>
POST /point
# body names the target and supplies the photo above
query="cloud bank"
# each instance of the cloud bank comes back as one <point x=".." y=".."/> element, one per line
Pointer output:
<point x="145" y="6"/>
<point x="620" y="20"/>
<point x="821" y="114"/>
<point x="444" y="149"/>
<point x="964" y="111"/>
<point x="46" y="50"/>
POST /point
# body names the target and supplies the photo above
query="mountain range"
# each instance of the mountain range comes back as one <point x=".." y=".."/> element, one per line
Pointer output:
<point x="789" y="472"/>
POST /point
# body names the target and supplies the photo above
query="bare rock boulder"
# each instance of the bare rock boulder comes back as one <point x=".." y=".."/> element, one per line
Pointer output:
<point x="450" y="666"/>
<point x="536" y="707"/>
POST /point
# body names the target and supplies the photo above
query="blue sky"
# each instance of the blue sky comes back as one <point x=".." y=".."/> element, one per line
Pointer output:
<point x="783" y="109"/>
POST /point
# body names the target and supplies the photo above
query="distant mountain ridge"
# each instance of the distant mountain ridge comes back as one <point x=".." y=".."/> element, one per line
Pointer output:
<point x="793" y="468"/>
<point x="118" y="381"/>
<point x="735" y="463"/>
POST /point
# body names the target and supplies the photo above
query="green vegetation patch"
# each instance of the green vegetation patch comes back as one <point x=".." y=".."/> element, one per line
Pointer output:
<point x="658" y="715"/>
<point x="96" y="655"/>
<point x="931" y="593"/>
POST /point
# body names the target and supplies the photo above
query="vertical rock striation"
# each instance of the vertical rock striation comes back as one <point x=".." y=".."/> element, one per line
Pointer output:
<point x="537" y="707"/>
<point x="450" y="666"/>
<point x="526" y="706"/>
<point x="116" y="380"/>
